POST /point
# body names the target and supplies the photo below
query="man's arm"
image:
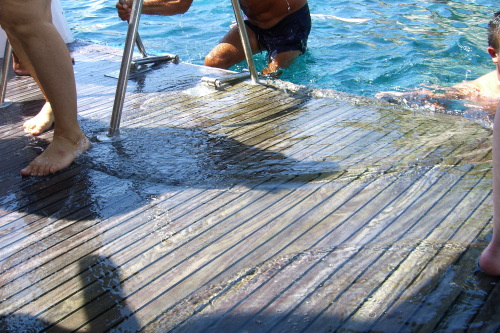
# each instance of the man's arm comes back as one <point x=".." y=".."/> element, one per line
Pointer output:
<point x="154" y="7"/>
<point x="486" y="86"/>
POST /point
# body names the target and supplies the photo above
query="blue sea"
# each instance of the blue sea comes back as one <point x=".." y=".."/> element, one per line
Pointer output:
<point x="357" y="46"/>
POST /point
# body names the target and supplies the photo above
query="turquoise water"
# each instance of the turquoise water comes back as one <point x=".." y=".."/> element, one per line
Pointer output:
<point x="391" y="45"/>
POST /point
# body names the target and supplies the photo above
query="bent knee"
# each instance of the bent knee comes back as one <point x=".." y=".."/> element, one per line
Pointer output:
<point x="216" y="61"/>
<point x="220" y="59"/>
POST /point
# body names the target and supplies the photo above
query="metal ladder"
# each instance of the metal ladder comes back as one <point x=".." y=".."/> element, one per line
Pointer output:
<point x="7" y="59"/>
<point x="134" y="38"/>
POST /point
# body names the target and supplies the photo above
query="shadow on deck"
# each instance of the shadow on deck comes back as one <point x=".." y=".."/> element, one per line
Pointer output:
<point x="244" y="209"/>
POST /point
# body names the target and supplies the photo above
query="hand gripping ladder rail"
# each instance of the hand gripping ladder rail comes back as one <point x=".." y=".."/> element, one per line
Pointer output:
<point x="133" y="37"/>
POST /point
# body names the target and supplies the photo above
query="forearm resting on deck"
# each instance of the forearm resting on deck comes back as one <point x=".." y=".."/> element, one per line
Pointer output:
<point x="154" y="7"/>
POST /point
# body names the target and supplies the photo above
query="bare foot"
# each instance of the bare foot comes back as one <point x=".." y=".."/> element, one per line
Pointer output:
<point x="18" y="67"/>
<point x="489" y="262"/>
<point x="21" y="71"/>
<point x="59" y="155"/>
<point x="41" y="122"/>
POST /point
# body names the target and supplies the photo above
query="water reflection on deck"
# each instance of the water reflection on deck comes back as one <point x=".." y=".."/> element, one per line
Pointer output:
<point x="244" y="209"/>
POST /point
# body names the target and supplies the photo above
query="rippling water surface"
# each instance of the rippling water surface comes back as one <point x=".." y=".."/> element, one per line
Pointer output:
<point x="356" y="46"/>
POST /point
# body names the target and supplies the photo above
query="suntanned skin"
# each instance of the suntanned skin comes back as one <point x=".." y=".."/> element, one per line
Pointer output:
<point x="19" y="68"/>
<point x="490" y="258"/>
<point x="39" y="46"/>
<point x="262" y="13"/>
<point x="266" y="14"/>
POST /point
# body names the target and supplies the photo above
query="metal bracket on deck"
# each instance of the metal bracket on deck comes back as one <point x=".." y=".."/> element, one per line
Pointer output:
<point x="139" y="65"/>
<point x="222" y="81"/>
<point x="7" y="59"/>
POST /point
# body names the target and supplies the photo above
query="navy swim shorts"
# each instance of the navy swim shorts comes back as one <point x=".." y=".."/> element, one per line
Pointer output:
<point x="290" y="34"/>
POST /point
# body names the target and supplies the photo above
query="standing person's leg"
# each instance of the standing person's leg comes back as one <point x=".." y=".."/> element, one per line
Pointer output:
<point x="490" y="258"/>
<point x="39" y="46"/>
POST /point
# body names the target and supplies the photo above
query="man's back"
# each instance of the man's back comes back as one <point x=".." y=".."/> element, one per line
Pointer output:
<point x="486" y="86"/>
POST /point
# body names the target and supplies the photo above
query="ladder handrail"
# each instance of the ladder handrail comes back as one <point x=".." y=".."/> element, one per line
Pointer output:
<point x="132" y="37"/>
<point x="244" y="40"/>
<point x="121" y="87"/>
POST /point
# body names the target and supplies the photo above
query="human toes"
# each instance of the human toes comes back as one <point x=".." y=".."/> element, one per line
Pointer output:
<point x="38" y="167"/>
<point x="33" y="128"/>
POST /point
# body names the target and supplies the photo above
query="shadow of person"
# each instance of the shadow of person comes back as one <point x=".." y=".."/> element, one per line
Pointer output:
<point x="103" y="304"/>
<point x="143" y="162"/>
<point x="105" y="301"/>
<point x="195" y="158"/>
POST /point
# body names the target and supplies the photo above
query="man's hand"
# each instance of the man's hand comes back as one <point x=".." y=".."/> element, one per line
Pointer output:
<point x="124" y="9"/>
<point x="153" y="7"/>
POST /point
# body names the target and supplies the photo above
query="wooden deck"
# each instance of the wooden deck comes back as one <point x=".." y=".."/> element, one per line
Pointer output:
<point x="244" y="209"/>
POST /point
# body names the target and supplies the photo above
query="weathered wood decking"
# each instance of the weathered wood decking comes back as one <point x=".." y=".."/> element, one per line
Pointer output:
<point x="247" y="209"/>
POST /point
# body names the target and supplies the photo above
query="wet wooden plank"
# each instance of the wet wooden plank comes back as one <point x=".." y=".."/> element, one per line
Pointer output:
<point x="248" y="208"/>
